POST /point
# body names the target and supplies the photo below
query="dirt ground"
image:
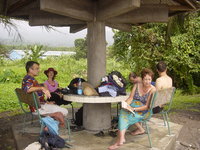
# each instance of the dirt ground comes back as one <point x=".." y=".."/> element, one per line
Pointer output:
<point x="189" y="138"/>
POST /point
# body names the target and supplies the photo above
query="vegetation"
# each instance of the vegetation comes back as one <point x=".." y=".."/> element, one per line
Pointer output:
<point x="150" y="43"/>
<point x="177" y="43"/>
<point x="80" y="48"/>
<point x="45" y="48"/>
<point x="12" y="72"/>
<point x="34" y="52"/>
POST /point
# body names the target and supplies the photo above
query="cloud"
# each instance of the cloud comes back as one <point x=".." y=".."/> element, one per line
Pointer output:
<point x="39" y="35"/>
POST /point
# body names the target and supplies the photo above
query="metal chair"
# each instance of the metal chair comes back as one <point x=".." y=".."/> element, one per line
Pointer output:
<point x="165" y="97"/>
<point x="32" y="100"/>
<point x="159" y="98"/>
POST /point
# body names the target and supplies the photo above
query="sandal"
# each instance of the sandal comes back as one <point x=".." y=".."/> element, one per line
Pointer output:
<point x="112" y="133"/>
<point x="100" y="134"/>
<point x="77" y="128"/>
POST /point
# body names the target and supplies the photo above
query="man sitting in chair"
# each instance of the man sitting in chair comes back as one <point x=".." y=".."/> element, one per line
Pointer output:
<point x="163" y="82"/>
<point x="30" y="84"/>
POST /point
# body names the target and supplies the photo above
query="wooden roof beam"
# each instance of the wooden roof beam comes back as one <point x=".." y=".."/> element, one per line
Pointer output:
<point x="52" y="19"/>
<point x="179" y="8"/>
<point x="122" y="27"/>
<point x="77" y="27"/>
<point x="116" y="8"/>
<point x="18" y="5"/>
<point x="144" y="14"/>
<point x="68" y="8"/>
<point x="191" y="4"/>
<point x="186" y="2"/>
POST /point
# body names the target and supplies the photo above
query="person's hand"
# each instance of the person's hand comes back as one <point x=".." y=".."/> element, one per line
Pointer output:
<point x="129" y="108"/>
<point x="125" y="105"/>
<point x="46" y="92"/>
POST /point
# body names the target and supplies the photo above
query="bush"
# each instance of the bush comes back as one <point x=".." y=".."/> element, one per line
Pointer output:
<point x="9" y="75"/>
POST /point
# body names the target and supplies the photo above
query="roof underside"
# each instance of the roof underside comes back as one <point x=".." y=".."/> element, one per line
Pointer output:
<point x="119" y="14"/>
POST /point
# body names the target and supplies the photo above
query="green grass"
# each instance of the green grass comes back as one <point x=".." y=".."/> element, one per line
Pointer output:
<point x="68" y="68"/>
<point x="186" y="102"/>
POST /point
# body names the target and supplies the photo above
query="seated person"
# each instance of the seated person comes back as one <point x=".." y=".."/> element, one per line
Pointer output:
<point x="163" y="82"/>
<point x="30" y="84"/>
<point x="52" y="85"/>
<point x="134" y="78"/>
<point x="139" y="101"/>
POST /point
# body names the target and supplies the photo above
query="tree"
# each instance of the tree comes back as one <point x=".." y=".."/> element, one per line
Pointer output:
<point x="153" y="42"/>
<point x="80" y="48"/>
<point x="34" y="52"/>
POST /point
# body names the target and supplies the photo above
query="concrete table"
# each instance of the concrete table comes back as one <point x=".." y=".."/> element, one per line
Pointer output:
<point x="96" y="115"/>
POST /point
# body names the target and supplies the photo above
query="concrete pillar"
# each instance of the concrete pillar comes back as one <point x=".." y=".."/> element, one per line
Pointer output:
<point x="96" y="56"/>
<point x="96" y="117"/>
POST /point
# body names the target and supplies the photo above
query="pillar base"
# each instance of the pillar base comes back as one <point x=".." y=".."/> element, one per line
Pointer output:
<point x="97" y="117"/>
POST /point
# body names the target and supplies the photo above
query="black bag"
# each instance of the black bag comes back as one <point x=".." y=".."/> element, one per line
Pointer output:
<point x="73" y="89"/>
<point x="121" y="90"/>
<point x="51" y="141"/>
<point x="79" y="117"/>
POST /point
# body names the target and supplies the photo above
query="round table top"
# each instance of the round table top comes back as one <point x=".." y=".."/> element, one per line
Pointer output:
<point x="94" y="99"/>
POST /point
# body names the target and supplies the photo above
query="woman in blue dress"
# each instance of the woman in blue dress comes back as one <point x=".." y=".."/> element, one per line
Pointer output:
<point x="139" y="101"/>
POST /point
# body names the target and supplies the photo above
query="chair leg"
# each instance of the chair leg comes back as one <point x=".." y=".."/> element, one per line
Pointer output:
<point x="73" y="119"/>
<point x="167" y="119"/>
<point x="118" y="107"/>
<point x="24" y="120"/>
<point x="31" y="118"/>
<point x="68" y="128"/>
<point x="147" y="128"/>
<point x="41" y="126"/>
<point x="164" y="119"/>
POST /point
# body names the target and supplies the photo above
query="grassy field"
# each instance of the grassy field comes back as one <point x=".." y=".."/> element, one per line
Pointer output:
<point x="11" y="74"/>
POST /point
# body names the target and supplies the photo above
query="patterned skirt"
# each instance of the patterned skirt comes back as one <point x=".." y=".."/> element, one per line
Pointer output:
<point x="126" y="118"/>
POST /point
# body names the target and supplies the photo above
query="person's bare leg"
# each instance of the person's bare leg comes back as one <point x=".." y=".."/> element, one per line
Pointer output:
<point x="120" y="140"/>
<point x="140" y="130"/>
<point x="122" y="137"/>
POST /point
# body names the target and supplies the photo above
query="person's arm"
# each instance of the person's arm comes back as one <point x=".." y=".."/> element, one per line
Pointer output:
<point x="130" y="98"/>
<point x="43" y="89"/>
<point x="45" y="85"/>
<point x="145" y="107"/>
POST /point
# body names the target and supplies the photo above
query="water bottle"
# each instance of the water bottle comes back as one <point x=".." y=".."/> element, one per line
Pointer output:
<point x="79" y="89"/>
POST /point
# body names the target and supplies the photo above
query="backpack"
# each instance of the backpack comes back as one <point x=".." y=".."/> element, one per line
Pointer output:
<point x="121" y="88"/>
<point x="73" y="89"/>
<point x="50" y="141"/>
<point x="51" y="124"/>
<point x="79" y="117"/>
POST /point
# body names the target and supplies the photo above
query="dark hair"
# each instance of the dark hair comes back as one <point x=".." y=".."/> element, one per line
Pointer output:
<point x="161" y="66"/>
<point x="29" y="64"/>
<point x="147" y="71"/>
<point x="132" y="74"/>
<point x="54" y="75"/>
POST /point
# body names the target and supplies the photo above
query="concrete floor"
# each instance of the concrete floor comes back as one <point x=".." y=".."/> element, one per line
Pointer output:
<point x="84" y="140"/>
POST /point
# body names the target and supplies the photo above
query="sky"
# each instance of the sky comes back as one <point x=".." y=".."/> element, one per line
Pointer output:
<point x="39" y="35"/>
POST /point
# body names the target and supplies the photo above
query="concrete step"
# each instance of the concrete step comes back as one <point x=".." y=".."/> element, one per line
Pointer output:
<point x="84" y="140"/>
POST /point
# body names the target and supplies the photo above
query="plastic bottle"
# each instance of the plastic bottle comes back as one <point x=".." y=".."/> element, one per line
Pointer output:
<point x="79" y="89"/>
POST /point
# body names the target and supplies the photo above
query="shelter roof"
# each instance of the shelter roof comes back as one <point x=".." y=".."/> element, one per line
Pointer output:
<point x="119" y="14"/>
